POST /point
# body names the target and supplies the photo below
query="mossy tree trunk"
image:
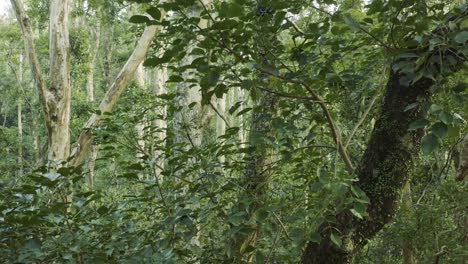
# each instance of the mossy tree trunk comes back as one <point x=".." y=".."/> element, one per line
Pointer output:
<point x="387" y="162"/>
<point x="258" y="167"/>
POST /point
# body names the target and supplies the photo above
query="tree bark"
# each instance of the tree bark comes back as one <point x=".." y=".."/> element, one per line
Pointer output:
<point x="408" y="249"/>
<point x="20" y="138"/>
<point x="55" y="101"/>
<point x="59" y="101"/>
<point x="385" y="166"/>
<point x="258" y="168"/>
<point x="113" y="94"/>
<point x="159" y="87"/>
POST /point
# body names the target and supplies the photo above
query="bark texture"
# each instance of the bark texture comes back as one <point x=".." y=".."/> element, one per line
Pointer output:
<point x="113" y="94"/>
<point x="55" y="100"/>
<point x="384" y="168"/>
<point x="258" y="167"/>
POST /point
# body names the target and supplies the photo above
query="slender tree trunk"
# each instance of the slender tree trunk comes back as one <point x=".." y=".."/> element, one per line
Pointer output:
<point x="19" y="79"/>
<point x="140" y="78"/>
<point x="20" y="139"/>
<point x="386" y="164"/>
<point x="258" y="169"/>
<point x="113" y="94"/>
<point x="95" y="34"/>
<point x="408" y="249"/>
<point x="159" y="87"/>
<point x="93" y="51"/>
<point x="36" y="140"/>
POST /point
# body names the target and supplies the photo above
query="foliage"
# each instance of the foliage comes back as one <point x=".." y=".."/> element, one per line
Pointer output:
<point x="168" y="200"/>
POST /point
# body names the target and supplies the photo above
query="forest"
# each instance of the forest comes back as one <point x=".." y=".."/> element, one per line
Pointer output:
<point x="234" y="131"/>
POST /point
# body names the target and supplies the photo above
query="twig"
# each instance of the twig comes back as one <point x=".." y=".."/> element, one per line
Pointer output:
<point x="282" y="226"/>
<point x="295" y="27"/>
<point x="220" y="115"/>
<point x="364" y="115"/>
<point x="273" y="246"/>
<point x="287" y="95"/>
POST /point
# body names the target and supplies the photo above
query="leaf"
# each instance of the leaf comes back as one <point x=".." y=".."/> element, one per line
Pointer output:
<point x="139" y="19"/>
<point x="154" y="13"/>
<point x="351" y="22"/>
<point x="408" y="55"/>
<point x="315" y="237"/>
<point x="429" y="143"/>
<point x="297" y="234"/>
<point x="440" y="129"/>
<point x="462" y="37"/>
<point x="244" y="111"/>
<point x="335" y="238"/>
<point x="356" y="213"/>
<point x="446" y="117"/>
<point x="420" y="123"/>
<point x="175" y="79"/>
<point x="410" y="106"/>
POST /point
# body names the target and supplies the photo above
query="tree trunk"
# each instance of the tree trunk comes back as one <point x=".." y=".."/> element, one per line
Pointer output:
<point x="408" y="249"/>
<point x="385" y="166"/>
<point x="55" y="101"/>
<point x="58" y="119"/>
<point x="159" y="87"/>
<point x="258" y="168"/>
<point x="93" y="50"/>
<point x="20" y="139"/>
<point x="113" y="94"/>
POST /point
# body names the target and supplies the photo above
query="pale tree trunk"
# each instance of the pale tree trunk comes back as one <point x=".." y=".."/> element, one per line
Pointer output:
<point x="95" y="34"/>
<point x="93" y="50"/>
<point x="221" y="119"/>
<point x="113" y="94"/>
<point x="59" y="98"/>
<point x="55" y="101"/>
<point x="140" y="78"/>
<point x="19" y="80"/>
<point x="160" y="78"/>
<point x="408" y="249"/>
<point x="20" y="139"/>
<point x="20" y="119"/>
<point x="36" y="141"/>
<point x="187" y="95"/>
<point x="242" y="130"/>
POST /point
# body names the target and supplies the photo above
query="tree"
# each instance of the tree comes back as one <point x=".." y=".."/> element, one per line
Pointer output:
<point x="55" y="101"/>
<point x="340" y="98"/>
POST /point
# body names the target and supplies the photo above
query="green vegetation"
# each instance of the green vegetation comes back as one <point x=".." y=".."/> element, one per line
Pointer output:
<point x="234" y="131"/>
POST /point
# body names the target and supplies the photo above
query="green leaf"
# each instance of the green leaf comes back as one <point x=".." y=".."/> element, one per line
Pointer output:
<point x="462" y="37"/>
<point x="408" y="55"/>
<point x="175" y="79"/>
<point x="244" y="111"/>
<point x="440" y="129"/>
<point x="446" y="117"/>
<point x="139" y="19"/>
<point x="351" y="22"/>
<point x="335" y="238"/>
<point x="429" y="143"/>
<point x="356" y="213"/>
<point x="420" y="123"/>
<point x="297" y="234"/>
<point x="315" y="237"/>
<point x="154" y="13"/>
